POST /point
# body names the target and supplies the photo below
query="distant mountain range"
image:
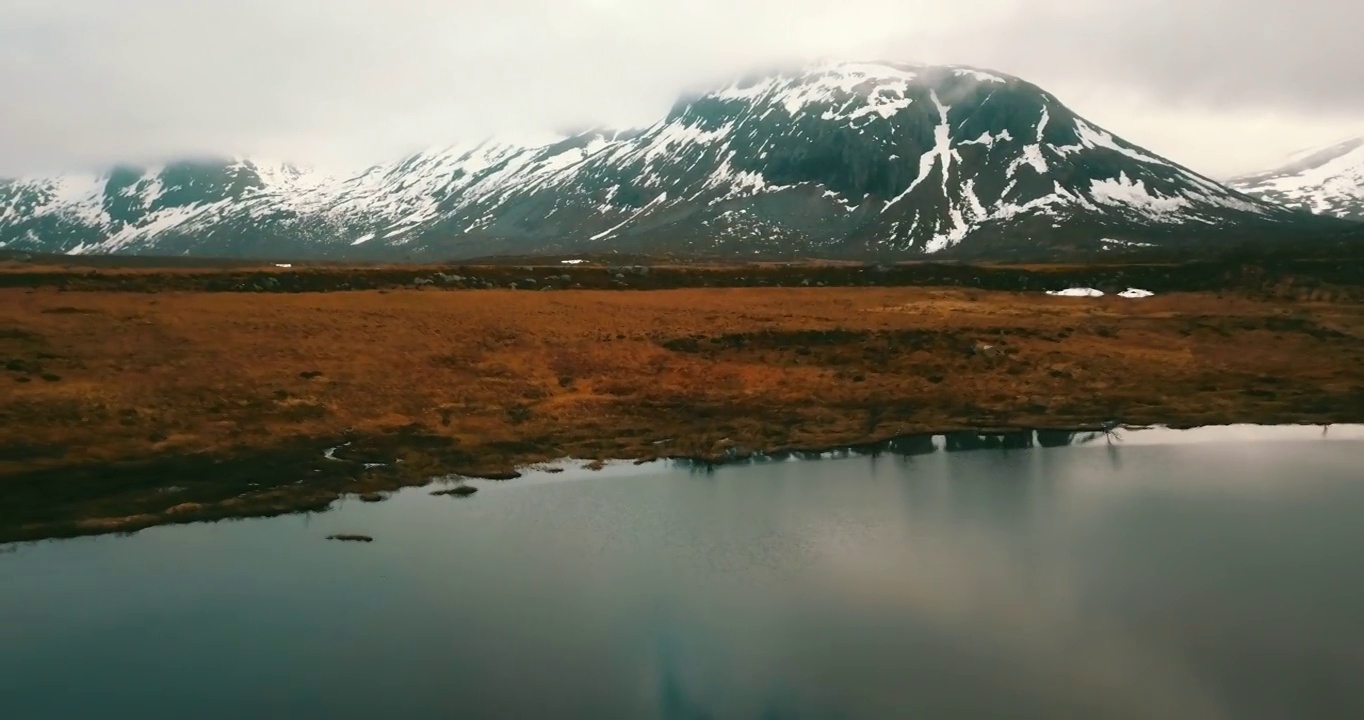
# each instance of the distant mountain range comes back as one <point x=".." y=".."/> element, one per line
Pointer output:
<point x="1327" y="181"/>
<point x="835" y="159"/>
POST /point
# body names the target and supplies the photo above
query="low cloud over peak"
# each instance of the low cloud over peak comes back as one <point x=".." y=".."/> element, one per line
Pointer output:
<point x="1222" y="86"/>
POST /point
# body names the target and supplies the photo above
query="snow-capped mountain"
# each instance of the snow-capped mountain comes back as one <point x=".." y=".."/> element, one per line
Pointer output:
<point x="1327" y="181"/>
<point x="833" y="159"/>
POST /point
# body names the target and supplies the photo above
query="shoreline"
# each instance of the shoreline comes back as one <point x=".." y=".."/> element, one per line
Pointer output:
<point x="121" y="410"/>
<point x="299" y="499"/>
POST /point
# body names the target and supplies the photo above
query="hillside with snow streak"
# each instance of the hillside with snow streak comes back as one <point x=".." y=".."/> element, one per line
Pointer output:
<point x="834" y="159"/>
<point x="1326" y="181"/>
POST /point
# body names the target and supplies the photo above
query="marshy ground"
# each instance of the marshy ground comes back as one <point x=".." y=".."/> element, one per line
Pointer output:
<point x="132" y="397"/>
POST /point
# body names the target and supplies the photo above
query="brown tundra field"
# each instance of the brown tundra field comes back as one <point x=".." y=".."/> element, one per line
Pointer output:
<point x="137" y="396"/>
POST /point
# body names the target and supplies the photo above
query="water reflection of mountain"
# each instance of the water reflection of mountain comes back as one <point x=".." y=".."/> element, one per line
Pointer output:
<point x="925" y="444"/>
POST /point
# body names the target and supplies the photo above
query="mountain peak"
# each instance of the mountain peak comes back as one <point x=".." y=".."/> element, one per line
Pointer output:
<point x="827" y="81"/>
<point x="829" y="158"/>
<point x="856" y="71"/>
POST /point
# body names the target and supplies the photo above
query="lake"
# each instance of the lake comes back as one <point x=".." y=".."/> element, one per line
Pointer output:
<point x="1216" y="573"/>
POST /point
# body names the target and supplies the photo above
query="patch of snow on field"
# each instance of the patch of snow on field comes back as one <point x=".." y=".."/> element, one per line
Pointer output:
<point x="1076" y="292"/>
<point x="1136" y="293"/>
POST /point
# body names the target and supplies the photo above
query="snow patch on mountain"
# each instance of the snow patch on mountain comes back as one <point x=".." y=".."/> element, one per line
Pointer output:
<point x="940" y="155"/>
<point x="1134" y="195"/>
<point x="610" y="231"/>
<point x="1032" y="154"/>
<point x="79" y="197"/>
<point x="989" y="140"/>
<point x="899" y="157"/>
<point x="824" y="83"/>
<point x="1091" y="138"/>
<point x="1326" y="181"/>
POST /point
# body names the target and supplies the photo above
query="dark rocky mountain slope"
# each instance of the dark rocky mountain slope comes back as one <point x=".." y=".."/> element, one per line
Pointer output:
<point x="839" y="159"/>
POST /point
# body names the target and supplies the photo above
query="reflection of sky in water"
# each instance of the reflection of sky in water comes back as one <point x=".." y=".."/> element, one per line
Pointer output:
<point x="1116" y="579"/>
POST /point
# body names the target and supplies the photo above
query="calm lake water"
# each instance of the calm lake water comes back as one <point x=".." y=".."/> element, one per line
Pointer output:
<point x="1215" y="574"/>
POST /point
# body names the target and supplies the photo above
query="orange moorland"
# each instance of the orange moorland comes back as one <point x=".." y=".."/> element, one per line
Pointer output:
<point x="229" y="400"/>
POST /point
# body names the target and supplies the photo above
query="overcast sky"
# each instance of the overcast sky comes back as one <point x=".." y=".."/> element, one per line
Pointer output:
<point x="1223" y="86"/>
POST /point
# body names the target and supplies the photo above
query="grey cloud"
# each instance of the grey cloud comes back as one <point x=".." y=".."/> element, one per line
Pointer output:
<point x="92" y="82"/>
<point x="1239" y="54"/>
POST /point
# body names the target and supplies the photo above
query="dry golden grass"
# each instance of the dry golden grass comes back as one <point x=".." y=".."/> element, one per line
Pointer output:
<point x="504" y="377"/>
